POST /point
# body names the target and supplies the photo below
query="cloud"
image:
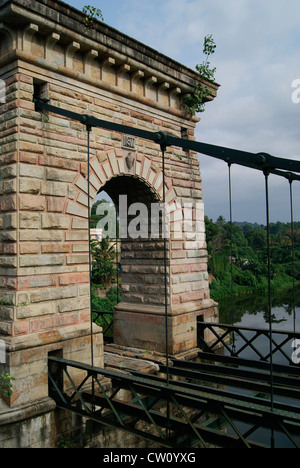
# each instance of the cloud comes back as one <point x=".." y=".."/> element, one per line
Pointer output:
<point x="257" y="58"/>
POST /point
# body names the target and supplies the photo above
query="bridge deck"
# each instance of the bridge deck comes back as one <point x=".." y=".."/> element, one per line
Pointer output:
<point x="192" y="406"/>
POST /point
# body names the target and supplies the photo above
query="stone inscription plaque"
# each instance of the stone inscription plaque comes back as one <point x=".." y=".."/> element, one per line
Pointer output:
<point x="128" y="142"/>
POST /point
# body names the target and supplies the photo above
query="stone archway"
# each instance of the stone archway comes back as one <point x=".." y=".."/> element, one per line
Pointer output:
<point x="142" y="263"/>
<point x="140" y="317"/>
<point x="142" y="258"/>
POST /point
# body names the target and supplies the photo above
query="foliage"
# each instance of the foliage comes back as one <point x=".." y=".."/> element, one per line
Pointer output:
<point x="5" y="384"/>
<point x="64" y="442"/>
<point x="104" y="271"/>
<point x="196" y="101"/>
<point x="105" y="305"/>
<point x="91" y="13"/>
<point x="247" y="270"/>
<point x="109" y="214"/>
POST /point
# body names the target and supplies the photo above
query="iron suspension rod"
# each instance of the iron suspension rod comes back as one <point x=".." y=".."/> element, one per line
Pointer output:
<point x="165" y="263"/>
<point x="269" y="300"/>
<point x="88" y="128"/>
<point x="163" y="148"/>
<point x="293" y="252"/>
<point x="231" y="260"/>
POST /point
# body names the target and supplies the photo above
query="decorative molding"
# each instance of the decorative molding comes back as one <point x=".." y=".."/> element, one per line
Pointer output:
<point x="28" y="34"/>
<point x="89" y="57"/>
<point x="50" y="42"/>
<point x="70" y="52"/>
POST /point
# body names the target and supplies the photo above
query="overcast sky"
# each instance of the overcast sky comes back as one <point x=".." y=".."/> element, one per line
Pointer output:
<point x="257" y="60"/>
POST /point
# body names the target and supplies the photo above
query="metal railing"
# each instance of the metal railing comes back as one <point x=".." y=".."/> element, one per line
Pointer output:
<point x="196" y="411"/>
<point x="241" y="341"/>
<point x="105" y="320"/>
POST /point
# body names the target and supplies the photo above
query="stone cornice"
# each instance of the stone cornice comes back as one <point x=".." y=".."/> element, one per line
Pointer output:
<point x="150" y="76"/>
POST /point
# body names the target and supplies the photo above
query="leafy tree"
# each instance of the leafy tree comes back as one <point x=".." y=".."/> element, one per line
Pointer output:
<point x="104" y="271"/>
<point x="249" y="263"/>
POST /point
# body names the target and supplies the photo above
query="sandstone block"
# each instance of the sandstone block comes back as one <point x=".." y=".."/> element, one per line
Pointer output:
<point x="10" y="186"/>
<point x="8" y="262"/>
<point x="50" y="294"/>
<point x="30" y="186"/>
<point x="36" y="310"/>
<point x="56" y="189"/>
<point x="79" y="223"/>
<point x="41" y="235"/>
<point x="76" y="209"/>
<point x="55" y="221"/>
<point x="73" y="278"/>
<point x="59" y="175"/>
<point x="29" y="221"/>
<point x="8" y="172"/>
<point x="8" y="203"/>
<point x="29" y="170"/>
<point x="32" y="202"/>
<point x="67" y="305"/>
<point x="56" y="248"/>
<point x="77" y="259"/>
<point x="55" y="204"/>
<point x="41" y="260"/>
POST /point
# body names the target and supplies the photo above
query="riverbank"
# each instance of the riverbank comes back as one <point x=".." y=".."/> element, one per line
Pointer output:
<point x="222" y="290"/>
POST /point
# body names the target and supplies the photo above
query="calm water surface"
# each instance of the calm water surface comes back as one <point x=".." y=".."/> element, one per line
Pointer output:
<point x="254" y="312"/>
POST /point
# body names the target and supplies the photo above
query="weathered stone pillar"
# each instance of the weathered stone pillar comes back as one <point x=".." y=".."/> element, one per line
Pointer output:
<point x="47" y="51"/>
<point x="44" y="270"/>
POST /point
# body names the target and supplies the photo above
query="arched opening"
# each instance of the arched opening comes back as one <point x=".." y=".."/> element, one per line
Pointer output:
<point x="136" y="236"/>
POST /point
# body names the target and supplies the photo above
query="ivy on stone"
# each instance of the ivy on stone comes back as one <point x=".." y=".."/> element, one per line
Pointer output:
<point x="196" y="101"/>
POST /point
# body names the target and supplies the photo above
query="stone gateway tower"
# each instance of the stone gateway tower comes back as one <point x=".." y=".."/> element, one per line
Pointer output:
<point x="48" y="52"/>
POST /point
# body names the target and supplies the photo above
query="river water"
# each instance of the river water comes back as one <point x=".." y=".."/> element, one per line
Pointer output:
<point x="253" y="312"/>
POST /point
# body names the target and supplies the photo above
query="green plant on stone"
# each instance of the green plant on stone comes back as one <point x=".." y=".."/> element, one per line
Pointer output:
<point x="196" y="101"/>
<point x="91" y="13"/>
<point x="64" y="442"/>
<point x="5" y="384"/>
